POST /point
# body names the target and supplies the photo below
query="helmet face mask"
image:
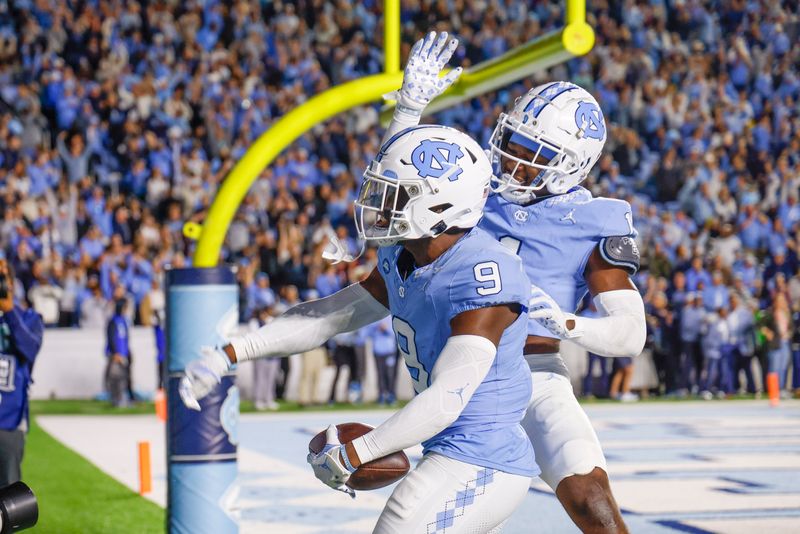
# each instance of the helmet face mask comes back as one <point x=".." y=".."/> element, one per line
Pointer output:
<point x="380" y="207"/>
<point x="548" y="143"/>
<point x="424" y="181"/>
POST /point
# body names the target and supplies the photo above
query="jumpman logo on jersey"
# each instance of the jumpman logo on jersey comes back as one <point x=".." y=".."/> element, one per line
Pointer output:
<point x="460" y="392"/>
<point x="569" y="217"/>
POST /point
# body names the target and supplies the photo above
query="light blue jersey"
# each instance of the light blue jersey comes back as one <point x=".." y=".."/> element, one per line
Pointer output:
<point x="476" y="272"/>
<point x="555" y="237"/>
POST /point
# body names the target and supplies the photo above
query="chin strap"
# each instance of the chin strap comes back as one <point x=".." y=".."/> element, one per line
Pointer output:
<point x="336" y="251"/>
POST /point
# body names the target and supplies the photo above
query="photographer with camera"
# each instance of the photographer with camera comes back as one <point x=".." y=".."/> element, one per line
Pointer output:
<point x="21" y="332"/>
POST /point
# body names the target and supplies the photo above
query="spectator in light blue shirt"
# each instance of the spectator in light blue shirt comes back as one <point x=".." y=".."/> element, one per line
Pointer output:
<point x="777" y="237"/>
<point x="697" y="274"/>
<point x="761" y="134"/>
<point x="75" y="158"/>
<point x="789" y="211"/>
<point x="751" y="228"/>
<point x="692" y="319"/>
<point x="328" y="282"/>
<point x="715" y="339"/>
<point x="703" y="204"/>
<point x="260" y="295"/>
<point x="716" y="294"/>
<point x="384" y="347"/>
<point x="746" y="270"/>
<point x="741" y="322"/>
<point x="92" y="244"/>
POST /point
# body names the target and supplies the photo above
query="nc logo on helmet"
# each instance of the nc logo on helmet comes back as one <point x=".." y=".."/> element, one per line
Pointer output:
<point x="434" y="158"/>
<point x="589" y="119"/>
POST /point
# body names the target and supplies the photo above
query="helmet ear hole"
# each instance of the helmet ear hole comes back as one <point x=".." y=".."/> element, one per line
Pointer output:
<point x="471" y="155"/>
<point x="439" y="208"/>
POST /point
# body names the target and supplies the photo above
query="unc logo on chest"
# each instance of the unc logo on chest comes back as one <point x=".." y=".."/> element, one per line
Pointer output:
<point x="521" y="216"/>
<point x="433" y="159"/>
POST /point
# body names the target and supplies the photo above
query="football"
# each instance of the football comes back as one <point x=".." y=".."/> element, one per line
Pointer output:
<point x="372" y="475"/>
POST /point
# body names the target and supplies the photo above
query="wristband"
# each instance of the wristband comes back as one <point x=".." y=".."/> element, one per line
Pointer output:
<point x="346" y="460"/>
<point x="408" y="110"/>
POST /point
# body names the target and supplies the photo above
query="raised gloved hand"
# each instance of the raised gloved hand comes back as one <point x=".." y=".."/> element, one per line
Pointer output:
<point x="547" y="312"/>
<point x="421" y="80"/>
<point x="202" y="375"/>
<point x="328" y="467"/>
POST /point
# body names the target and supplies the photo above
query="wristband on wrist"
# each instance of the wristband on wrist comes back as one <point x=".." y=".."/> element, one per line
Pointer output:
<point x="408" y="110"/>
<point x="346" y="459"/>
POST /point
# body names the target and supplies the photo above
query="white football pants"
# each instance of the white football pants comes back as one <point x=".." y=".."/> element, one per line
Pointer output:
<point x="563" y="439"/>
<point x="445" y="496"/>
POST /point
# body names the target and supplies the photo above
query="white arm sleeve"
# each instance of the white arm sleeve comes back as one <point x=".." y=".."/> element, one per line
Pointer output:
<point x="403" y="117"/>
<point x="310" y="324"/>
<point x="621" y="333"/>
<point x="461" y="367"/>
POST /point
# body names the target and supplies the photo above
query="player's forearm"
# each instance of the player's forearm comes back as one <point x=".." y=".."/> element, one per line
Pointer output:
<point x="461" y="367"/>
<point x="621" y="333"/>
<point x="309" y="325"/>
<point x="404" y="117"/>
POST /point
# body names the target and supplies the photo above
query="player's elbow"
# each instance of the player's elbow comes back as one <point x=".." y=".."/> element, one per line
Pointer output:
<point x="625" y="322"/>
<point x="631" y="342"/>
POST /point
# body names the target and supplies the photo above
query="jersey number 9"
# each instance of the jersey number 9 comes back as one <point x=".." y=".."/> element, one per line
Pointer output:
<point x="488" y="273"/>
<point x="408" y="347"/>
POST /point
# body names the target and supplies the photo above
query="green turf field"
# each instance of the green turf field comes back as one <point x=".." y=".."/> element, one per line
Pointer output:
<point x="76" y="497"/>
<point x="93" y="407"/>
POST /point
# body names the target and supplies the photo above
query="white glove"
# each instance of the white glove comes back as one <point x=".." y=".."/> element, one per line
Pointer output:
<point x="336" y="251"/>
<point x="546" y="311"/>
<point x="421" y="81"/>
<point x="326" y="464"/>
<point x="202" y="375"/>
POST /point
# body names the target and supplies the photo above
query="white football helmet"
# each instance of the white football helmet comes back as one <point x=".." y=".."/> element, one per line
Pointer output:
<point x="558" y="129"/>
<point x="424" y="181"/>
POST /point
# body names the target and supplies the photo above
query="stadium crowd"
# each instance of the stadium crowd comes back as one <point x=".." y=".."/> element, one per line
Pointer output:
<point x="119" y="120"/>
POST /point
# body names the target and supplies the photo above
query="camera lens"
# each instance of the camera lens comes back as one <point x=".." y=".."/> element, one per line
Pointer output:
<point x="18" y="508"/>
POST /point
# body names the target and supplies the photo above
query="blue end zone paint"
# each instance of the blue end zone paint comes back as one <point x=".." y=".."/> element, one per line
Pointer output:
<point x="698" y="458"/>
<point x="681" y="527"/>
<point x="684" y="443"/>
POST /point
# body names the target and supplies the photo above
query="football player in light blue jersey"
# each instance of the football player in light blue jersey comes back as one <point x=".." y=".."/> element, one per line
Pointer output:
<point x="570" y="243"/>
<point x="458" y="300"/>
